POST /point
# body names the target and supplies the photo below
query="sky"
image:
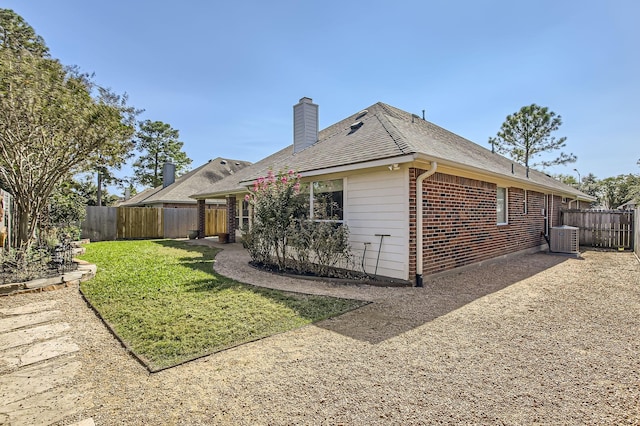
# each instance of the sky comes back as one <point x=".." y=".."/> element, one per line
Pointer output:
<point x="227" y="74"/>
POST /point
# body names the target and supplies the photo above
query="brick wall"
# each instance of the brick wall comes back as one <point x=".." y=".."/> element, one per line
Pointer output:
<point x="231" y="218"/>
<point x="459" y="222"/>
<point x="201" y="218"/>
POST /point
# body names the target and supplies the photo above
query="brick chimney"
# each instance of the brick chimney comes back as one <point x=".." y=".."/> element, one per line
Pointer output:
<point x="305" y="124"/>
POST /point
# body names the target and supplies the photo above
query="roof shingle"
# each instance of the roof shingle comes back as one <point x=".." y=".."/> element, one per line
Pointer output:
<point x="386" y="133"/>
<point x="196" y="180"/>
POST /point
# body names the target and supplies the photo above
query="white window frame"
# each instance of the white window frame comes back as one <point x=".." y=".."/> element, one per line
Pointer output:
<point x="526" y="204"/>
<point x="311" y="201"/>
<point x="505" y="205"/>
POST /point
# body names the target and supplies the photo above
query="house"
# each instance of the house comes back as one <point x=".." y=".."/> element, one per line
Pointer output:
<point x="5" y="218"/>
<point x="629" y="205"/>
<point x="175" y="193"/>
<point x="420" y="199"/>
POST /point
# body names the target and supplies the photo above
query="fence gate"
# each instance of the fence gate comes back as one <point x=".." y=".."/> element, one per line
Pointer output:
<point x="608" y="229"/>
<point x="140" y="222"/>
<point x="215" y="222"/>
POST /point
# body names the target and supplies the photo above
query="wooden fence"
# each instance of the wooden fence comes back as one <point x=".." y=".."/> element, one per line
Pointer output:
<point x="607" y="229"/>
<point x="117" y="223"/>
<point x="636" y="231"/>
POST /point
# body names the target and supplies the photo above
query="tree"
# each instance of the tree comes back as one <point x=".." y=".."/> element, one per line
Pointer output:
<point x="158" y="142"/>
<point x="112" y="156"/>
<point x="527" y="134"/>
<point x="19" y="37"/>
<point x="590" y="185"/>
<point x="66" y="210"/>
<point x="617" y="190"/>
<point x="85" y="187"/>
<point x="50" y="125"/>
<point x="567" y="179"/>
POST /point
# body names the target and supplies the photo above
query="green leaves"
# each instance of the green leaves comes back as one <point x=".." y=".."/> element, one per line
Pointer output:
<point x="18" y="36"/>
<point x="50" y="124"/>
<point x="158" y="142"/>
<point x="527" y="134"/>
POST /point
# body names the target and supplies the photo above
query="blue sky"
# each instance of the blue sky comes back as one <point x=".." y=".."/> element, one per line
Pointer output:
<point x="226" y="74"/>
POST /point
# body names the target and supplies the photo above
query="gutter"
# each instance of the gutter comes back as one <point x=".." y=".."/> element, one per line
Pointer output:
<point x="419" y="225"/>
<point x="528" y="182"/>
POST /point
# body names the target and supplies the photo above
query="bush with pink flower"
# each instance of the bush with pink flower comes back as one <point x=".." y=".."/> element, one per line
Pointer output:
<point x="283" y="236"/>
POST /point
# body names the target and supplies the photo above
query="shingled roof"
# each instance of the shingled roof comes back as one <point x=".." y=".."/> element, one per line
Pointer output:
<point x="188" y="184"/>
<point x="383" y="132"/>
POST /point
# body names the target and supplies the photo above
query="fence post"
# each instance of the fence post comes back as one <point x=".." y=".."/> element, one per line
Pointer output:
<point x="636" y="232"/>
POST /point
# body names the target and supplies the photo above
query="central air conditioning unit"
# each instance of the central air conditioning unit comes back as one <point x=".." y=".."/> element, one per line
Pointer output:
<point x="564" y="239"/>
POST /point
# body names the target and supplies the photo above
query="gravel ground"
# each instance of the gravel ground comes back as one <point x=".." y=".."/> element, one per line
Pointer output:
<point x="537" y="339"/>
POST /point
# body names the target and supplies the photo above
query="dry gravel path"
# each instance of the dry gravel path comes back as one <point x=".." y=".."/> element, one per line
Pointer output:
<point x="537" y="339"/>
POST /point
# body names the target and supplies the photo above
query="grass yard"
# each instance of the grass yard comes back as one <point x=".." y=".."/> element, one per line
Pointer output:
<point x="164" y="300"/>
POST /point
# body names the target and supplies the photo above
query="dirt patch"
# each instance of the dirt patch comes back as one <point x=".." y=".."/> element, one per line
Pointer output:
<point x="535" y="339"/>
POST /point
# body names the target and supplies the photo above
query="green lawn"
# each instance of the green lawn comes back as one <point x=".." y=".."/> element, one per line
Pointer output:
<point x="165" y="302"/>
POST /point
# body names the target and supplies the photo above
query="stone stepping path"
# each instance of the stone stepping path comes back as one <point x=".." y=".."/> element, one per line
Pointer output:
<point x="38" y="366"/>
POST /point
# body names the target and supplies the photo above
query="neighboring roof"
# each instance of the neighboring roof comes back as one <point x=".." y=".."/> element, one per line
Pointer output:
<point x="388" y="133"/>
<point x="139" y="197"/>
<point x="628" y="205"/>
<point x="197" y="180"/>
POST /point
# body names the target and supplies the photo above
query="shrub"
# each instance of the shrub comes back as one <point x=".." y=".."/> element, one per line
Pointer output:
<point x="282" y="235"/>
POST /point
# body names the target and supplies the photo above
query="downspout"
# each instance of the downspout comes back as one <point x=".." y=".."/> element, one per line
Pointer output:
<point x="419" y="226"/>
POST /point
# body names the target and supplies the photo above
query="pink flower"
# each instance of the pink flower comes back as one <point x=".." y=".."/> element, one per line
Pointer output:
<point x="284" y="179"/>
<point x="291" y="172"/>
<point x="296" y="187"/>
<point x="247" y="197"/>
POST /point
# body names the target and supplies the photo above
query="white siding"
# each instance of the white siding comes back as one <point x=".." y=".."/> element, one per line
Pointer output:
<point x="377" y="203"/>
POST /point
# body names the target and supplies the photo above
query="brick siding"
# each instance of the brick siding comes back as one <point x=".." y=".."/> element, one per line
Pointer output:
<point x="459" y="222"/>
<point x="201" y="218"/>
<point x="231" y="218"/>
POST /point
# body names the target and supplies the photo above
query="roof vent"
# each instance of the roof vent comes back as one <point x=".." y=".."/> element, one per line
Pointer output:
<point x="361" y="114"/>
<point x="356" y="125"/>
<point x="223" y="162"/>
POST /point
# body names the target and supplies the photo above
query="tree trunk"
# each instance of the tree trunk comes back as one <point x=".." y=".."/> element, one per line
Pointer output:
<point x="24" y="234"/>
<point x="99" y="191"/>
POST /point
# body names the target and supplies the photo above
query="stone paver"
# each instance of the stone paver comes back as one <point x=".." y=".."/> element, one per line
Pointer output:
<point x="45" y="408"/>
<point x="19" y="321"/>
<point x="37" y="365"/>
<point x="40" y="351"/>
<point x="30" y="308"/>
<point x="36" y="379"/>
<point x="29" y="335"/>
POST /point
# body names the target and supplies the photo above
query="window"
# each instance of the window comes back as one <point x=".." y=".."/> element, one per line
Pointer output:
<point x="526" y="206"/>
<point x="242" y="214"/>
<point x="327" y="200"/>
<point x="501" y="205"/>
